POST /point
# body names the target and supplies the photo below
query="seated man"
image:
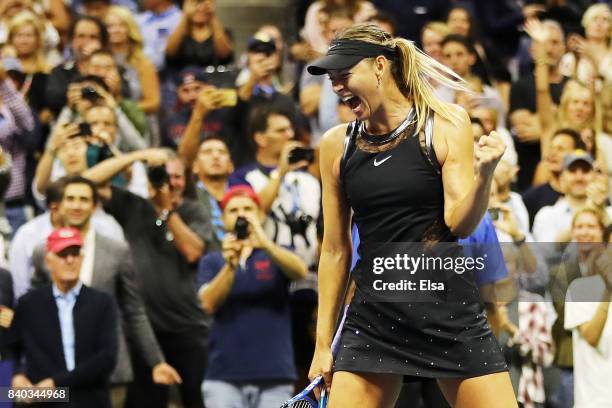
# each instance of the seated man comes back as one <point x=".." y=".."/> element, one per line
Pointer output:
<point x="246" y="287"/>
<point x="66" y="331"/>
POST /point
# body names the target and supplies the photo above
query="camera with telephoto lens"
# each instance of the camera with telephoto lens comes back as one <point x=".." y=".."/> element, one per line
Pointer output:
<point x="241" y="228"/>
<point x="89" y="93"/>
<point x="158" y="176"/>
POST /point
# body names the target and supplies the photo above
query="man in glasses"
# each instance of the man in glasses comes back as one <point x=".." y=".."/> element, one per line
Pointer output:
<point x="54" y="330"/>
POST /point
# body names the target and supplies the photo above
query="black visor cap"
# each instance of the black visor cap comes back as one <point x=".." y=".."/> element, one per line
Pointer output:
<point x="344" y="54"/>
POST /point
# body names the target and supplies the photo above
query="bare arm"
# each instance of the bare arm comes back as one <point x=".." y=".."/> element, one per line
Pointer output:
<point x="336" y="248"/>
<point x="214" y="293"/>
<point x="291" y="264"/>
<point x="591" y="331"/>
<point x="106" y="170"/>
<point x="149" y="80"/>
<point x="186" y="241"/>
<point x="309" y="99"/>
<point x="466" y="195"/>
<point x="176" y="38"/>
<point x="208" y="99"/>
<point x="221" y="41"/>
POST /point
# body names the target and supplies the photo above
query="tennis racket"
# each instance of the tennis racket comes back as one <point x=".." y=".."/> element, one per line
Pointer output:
<point x="303" y="400"/>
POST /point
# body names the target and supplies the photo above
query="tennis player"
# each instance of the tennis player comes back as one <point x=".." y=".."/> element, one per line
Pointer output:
<point x="408" y="178"/>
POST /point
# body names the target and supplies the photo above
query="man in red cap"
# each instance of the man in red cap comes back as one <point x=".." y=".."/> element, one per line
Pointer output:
<point x="66" y="331"/>
<point x="246" y="287"/>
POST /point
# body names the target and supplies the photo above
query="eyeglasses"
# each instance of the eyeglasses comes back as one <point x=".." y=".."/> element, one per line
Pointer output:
<point x="73" y="251"/>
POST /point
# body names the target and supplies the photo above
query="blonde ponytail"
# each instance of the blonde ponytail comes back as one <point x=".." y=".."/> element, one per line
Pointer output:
<point x="413" y="72"/>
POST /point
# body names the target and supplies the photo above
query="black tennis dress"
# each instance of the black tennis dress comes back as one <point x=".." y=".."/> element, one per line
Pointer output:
<point x="397" y="197"/>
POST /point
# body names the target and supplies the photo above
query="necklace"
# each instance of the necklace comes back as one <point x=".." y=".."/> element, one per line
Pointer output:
<point x="386" y="138"/>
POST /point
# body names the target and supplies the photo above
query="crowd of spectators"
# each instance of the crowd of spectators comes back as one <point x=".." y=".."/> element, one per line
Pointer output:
<point x="161" y="218"/>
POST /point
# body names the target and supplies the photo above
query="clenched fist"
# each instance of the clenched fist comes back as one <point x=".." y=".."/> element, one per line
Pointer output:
<point x="488" y="153"/>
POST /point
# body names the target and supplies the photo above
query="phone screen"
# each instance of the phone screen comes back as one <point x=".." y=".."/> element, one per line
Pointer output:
<point x="230" y="96"/>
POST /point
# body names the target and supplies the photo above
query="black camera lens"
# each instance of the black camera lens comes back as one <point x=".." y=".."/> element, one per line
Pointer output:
<point x="89" y="93"/>
<point x="241" y="228"/>
<point x="158" y="176"/>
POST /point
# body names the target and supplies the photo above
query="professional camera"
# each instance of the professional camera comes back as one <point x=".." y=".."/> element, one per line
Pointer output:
<point x="241" y="228"/>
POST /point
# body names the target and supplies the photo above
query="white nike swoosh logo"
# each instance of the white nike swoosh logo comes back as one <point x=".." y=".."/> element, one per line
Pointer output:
<point x="378" y="163"/>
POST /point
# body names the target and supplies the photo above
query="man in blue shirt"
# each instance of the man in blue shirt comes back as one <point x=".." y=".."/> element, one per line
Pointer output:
<point x="246" y="288"/>
<point x="67" y="332"/>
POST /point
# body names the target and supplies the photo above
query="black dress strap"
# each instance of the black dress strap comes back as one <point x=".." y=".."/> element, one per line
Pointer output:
<point x="350" y="141"/>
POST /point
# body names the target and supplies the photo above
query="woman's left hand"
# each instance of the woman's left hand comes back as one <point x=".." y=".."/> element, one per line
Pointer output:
<point x="488" y="153"/>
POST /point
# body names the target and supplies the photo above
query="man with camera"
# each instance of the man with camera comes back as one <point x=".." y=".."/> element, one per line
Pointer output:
<point x="168" y="235"/>
<point x="290" y="197"/>
<point x="251" y="355"/>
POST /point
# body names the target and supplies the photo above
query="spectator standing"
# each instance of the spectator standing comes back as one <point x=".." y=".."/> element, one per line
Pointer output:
<point x="524" y="121"/>
<point x="108" y="267"/>
<point x="54" y="330"/>
<point x="167" y="235"/>
<point x="587" y="314"/>
<point x="199" y="38"/>
<point x="157" y="23"/>
<point x="33" y="233"/>
<point x="245" y="362"/>
<point x="87" y="34"/>
<point x="17" y="135"/>
<point x="289" y="197"/>
<point x="126" y="43"/>
<point x="212" y="166"/>
<point x="564" y="141"/>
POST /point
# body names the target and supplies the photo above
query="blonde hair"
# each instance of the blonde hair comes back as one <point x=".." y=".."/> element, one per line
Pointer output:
<point x="134" y="34"/>
<point x="22" y="19"/>
<point x="599" y="215"/>
<point x="593" y="11"/>
<point x="437" y="27"/>
<point x="411" y="71"/>
<point x="571" y="87"/>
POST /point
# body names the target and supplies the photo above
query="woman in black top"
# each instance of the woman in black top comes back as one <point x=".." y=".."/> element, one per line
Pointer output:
<point x="409" y="178"/>
<point x="199" y="39"/>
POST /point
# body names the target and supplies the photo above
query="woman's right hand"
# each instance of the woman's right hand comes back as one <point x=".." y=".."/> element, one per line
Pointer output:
<point x="322" y="363"/>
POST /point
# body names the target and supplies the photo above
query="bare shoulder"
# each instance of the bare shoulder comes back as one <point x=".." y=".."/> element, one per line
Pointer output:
<point x="333" y="139"/>
<point x="459" y="120"/>
<point x="331" y="147"/>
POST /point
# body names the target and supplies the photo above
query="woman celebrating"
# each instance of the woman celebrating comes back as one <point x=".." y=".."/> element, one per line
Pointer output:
<point x="401" y="188"/>
<point x="126" y="44"/>
<point x="200" y="39"/>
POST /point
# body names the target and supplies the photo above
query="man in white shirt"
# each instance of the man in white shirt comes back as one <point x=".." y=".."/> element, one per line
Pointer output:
<point x="552" y="223"/>
<point x="34" y="233"/>
<point x="587" y="316"/>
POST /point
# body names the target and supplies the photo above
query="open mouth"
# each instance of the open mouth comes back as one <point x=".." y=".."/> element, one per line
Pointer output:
<point x="354" y="103"/>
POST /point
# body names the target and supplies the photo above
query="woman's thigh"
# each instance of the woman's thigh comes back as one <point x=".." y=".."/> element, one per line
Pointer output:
<point x="364" y="390"/>
<point x="491" y="390"/>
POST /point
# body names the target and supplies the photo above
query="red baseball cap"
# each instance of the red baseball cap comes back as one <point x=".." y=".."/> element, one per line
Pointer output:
<point x="63" y="238"/>
<point x="241" y="190"/>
